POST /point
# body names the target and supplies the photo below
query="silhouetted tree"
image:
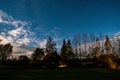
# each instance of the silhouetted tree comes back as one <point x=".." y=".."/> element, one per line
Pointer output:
<point x="108" y="46"/>
<point x="69" y="49"/>
<point x="85" y="41"/>
<point x="38" y="54"/>
<point x="92" y="40"/>
<point x="77" y="45"/>
<point x="102" y="42"/>
<point x="114" y="46"/>
<point x="51" y="45"/>
<point x="118" y="41"/>
<point x="23" y="59"/>
<point x="5" y="51"/>
<point x="96" y="50"/>
<point x="63" y="52"/>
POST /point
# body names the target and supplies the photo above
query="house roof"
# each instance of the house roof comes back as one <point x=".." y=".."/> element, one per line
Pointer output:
<point x="49" y="55"/>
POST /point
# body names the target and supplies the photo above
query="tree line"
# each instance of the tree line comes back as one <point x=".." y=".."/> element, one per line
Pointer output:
<point x="85" y="46"/>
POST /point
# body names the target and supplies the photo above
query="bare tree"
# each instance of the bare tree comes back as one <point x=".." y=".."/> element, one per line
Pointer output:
<point x="92" y="37"/>
<point x="77" y="45"/>
<point x="108" y="45"/>
<point x="92" y="40"/>
<point x="101" y="37"/>
<point x="96" y="49"/>
<point x="51" y="45"/>
<point x="118" y="43"/>
<point x="85" y="41"/>
<point x="115" y="47"/>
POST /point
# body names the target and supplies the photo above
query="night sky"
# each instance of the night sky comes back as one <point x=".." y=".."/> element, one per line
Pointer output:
<point x="63" y="18"/>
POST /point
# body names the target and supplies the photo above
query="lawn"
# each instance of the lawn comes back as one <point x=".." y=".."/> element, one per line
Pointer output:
<point x="60" y="74"/>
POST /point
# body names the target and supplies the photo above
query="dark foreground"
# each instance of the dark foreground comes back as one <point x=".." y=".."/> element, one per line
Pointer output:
<point x="60" y="74"/>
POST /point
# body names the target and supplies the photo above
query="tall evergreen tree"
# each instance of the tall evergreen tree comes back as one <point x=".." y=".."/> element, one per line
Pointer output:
<point x="63" y="52"/>
<point x="69" y="51"/>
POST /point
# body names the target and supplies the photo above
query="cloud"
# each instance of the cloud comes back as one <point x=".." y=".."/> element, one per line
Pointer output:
<point x="19" y="34"/>
<point x="5" y="39"/>
<point x="43" y="43"/>
<point x="9" y="20"/>
<point x="117" y="34"/>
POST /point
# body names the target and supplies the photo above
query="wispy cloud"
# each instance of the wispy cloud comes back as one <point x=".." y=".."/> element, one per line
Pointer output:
<point x="16" y="32"/>
<point x="20" y="34"/>
<point x="43" y="43"/>
<point x="117" y="34"/>
<point x="9" y="20"/>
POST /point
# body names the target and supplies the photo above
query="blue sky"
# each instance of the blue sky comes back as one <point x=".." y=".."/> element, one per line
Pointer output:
<point x="63" y="18"/>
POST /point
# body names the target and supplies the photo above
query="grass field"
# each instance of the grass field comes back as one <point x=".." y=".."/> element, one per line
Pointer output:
<point x="60" y="74"/>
